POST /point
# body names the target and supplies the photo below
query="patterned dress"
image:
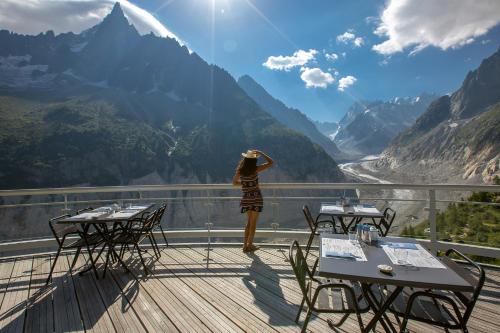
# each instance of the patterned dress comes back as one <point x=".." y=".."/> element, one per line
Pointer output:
<point x="252" y="198"/>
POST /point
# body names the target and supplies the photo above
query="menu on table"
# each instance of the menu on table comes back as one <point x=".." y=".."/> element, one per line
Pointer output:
<point x="126" y="213"/>
<point x="413" y="254"/>
<point x="88" y="215"/>
<point x="342" y="248"/>
<point x="332" y="208"/>
<point x="366" y="209"/>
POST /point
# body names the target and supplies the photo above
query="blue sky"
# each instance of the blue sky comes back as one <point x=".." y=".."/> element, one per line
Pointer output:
<point x="419" y="46"/>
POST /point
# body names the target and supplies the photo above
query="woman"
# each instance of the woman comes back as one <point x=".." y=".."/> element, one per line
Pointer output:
<point x="247" y="176"/>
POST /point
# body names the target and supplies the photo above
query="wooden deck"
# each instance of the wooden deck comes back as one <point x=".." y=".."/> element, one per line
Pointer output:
<point x="238" y="292"/>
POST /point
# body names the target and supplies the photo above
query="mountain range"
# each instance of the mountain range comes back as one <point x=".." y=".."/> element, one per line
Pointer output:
<point x="458" y="136"/>
<point x="369" y="126"/>
<point x="111" y="107"/>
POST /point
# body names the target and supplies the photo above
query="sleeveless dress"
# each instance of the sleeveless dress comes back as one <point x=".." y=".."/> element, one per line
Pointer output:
<point x="252" y="198"/>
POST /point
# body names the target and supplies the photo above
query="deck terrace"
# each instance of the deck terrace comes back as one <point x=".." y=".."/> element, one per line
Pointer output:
<point x="237" y="293"/>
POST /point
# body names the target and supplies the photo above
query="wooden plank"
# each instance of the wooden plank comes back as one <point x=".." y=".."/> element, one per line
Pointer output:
<point x="152" y="316"/>
<point x="282" y="286"/>
<point x="199" y="311"/>
<point x="6" y="268"/>
<point x="92" y="307"/>
<point x="13" y="307"/>
<point x="245" y="319"/>
<point x="117" y="305"/>
<point x="67" y="317"/>
<point x="39" y="312"/>
<point x="248" y="291"/>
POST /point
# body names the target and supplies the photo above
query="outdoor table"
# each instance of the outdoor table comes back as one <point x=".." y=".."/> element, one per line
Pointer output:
<point x="355" y="212"/>
<point x="367" y="273"/>
<point x="102" y="218"/>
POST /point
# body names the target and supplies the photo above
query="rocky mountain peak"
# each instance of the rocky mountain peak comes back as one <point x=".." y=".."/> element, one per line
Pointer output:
<point x="480" y="89"/>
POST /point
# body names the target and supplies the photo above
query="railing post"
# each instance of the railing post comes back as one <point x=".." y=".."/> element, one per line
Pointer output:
<point x="66" y="209"/>
<point x="209" y="224"/>
<point x="432" y="221"/>
<point x="209" y="227"/>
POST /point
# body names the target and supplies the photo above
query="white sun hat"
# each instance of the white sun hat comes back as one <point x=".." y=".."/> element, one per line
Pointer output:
<point x="249" y="154"/>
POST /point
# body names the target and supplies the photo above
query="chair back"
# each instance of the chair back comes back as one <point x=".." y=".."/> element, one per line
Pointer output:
<point x="60" y="230"/>
<point x="388" y="219"/>
<point x="475" y="276"/>
<point x="159" y="214"/>
<point x="301" y="269"/>
<point x="308" y="216"/>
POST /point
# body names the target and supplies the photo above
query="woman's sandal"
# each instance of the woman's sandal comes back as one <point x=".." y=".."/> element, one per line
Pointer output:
<point x="253" y="248"/>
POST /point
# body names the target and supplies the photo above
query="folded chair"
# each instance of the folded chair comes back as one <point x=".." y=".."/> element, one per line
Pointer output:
<point x="79" y="239"/>
<point x="450" y="310"/>
<point x="341" y="297"/>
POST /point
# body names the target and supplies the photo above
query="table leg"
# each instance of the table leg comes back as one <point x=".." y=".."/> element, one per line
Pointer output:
<point x="379" y="310"/>
<point x="92" y="262"/>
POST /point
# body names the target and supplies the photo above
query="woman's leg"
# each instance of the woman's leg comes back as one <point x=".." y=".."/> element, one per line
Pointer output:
<point x="253" y="226"/>
<point x="247" y="229"/>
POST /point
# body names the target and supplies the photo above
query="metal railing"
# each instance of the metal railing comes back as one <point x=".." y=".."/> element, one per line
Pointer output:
<point x="147" y="193"/>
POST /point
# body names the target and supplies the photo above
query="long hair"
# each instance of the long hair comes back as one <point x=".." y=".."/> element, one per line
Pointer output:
<point x="247" y="166"/>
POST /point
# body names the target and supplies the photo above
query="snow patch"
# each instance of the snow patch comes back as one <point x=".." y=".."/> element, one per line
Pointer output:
<point x="453" y="125"/>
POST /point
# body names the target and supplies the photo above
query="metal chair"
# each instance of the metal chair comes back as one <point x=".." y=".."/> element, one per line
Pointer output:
<point x="157" y="224"/>
<point x="385" y="223"/>
<point x="133" y="234"/>
<point x="450" y="310"/>
<point x="340" y="297"/>
<point x="62" y="231"/>
<point x="313" y="225"/>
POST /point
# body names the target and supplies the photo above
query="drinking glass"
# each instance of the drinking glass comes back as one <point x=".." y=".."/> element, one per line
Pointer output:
<point x="353" y="235"/>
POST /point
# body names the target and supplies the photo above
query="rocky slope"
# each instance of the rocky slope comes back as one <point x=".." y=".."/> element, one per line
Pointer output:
<point x="368" y="127"/>
<point x="458" y="137"/>
<point x="289" y="117"/>
<point x="109" y="107"/>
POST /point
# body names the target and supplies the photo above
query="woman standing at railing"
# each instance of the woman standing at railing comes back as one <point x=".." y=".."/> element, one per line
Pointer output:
<point x="251" y="203"/>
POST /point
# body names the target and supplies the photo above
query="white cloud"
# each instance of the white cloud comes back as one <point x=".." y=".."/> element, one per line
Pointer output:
<point x="358" y="41"/>
<point x="331" y="56"/>
<point x="349" y="37"/>
<point x="35" y="16"/>
<point x="346" y="37"/>
<point x="299" y="58"/>
<point x="316" y="78"/>
<point x="346" y="81"/>
<point x="444" y="24"/>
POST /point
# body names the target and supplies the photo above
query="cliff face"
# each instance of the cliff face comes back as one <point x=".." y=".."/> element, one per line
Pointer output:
<point x="461" y="131"/>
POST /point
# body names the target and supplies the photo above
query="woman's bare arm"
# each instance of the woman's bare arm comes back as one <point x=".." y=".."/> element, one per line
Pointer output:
<point x="236" y="178"/>
<point x="269" y="161"/>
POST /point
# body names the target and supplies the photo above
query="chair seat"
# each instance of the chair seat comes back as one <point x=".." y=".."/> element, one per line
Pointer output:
<point x="92" y="239"/>
<point x="338" y="300"/>
<point x="128" y="238"/>
<point x="424" y="309"/>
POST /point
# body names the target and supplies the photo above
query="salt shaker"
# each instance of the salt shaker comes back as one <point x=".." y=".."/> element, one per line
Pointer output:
<point x="373" y="235"/>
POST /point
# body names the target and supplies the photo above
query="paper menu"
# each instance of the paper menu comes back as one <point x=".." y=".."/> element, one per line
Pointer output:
<point x="332" y="208"/>
<point x="366" y="210"/>
<point x="418" y="257"/>
<point x="342" y="248"/>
